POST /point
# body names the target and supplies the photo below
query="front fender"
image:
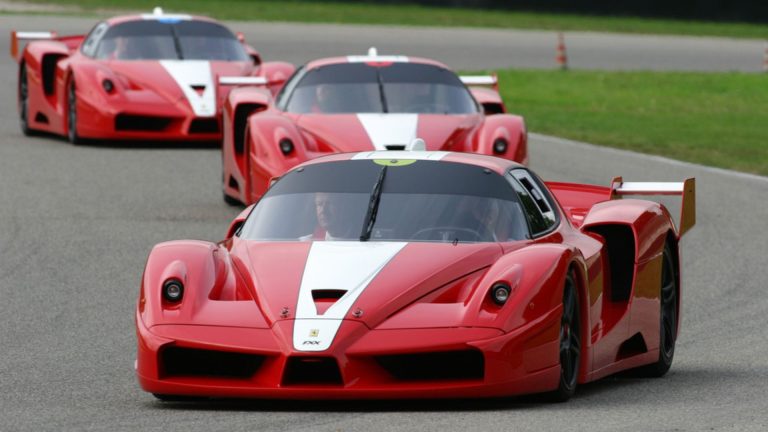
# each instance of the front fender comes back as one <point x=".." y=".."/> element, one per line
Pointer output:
<point x="266" y="159"/>
<point x="213" y="295"/>
<point x="536" y="275"/>
<point x="503" y="126"/>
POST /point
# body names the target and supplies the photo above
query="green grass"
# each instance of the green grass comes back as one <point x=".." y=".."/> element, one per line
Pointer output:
<point x="716" y="119"/>
<point x="371" y="13"/>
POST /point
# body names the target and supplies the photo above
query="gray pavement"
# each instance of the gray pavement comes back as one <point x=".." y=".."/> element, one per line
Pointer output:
<point x="76" y="225"/>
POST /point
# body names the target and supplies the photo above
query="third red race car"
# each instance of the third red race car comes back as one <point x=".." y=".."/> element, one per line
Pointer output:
<point x="357" y="103"/>
<point x="137" y="77"/>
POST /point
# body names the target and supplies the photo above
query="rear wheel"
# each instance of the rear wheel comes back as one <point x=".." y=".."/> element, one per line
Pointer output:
<point x="668" y="317"/>
<point x="24" y="100"/>
<point x="570" y="342"/>
<point x="72" y="135"/>
<point x="234" y="202"/>
<point x="227" y="199"/>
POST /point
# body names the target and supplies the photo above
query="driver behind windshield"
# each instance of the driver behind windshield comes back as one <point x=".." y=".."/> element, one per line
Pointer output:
<point x="333" y="218"/>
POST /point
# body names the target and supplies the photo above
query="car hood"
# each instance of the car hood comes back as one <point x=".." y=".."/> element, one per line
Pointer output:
<point x="191" y="84"/>
<point x="360" y="132"/>
<point x="363" y="281"/>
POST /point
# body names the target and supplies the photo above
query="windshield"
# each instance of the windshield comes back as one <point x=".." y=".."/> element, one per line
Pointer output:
<point x="380" y="88"/>
<point x="170" y="40"/>
<point x="418" y="201"/>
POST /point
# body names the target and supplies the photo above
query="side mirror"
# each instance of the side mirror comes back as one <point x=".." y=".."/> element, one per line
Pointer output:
<point x="256" y="57"/>
<point x="240" y="37"/>
<point x="238" y="222"/>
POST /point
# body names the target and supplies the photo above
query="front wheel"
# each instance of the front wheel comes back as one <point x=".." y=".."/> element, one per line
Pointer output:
<point x="72" y="135"/>
<point x="570" y="343"/>
<point x="24" y="101"/>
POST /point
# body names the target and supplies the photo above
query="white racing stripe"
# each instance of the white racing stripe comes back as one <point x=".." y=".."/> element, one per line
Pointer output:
<point x="389" y="129"/>
<point x="189" y="74"/>
<point x="347" y="266"/>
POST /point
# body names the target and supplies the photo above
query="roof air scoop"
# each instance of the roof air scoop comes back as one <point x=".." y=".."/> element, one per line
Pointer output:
<point x="373" y="52"/>
<point x="157" y="11"/>
<point x="417" y="144"/>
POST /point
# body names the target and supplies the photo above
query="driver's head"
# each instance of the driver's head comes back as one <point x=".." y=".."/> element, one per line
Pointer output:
<point x="487" y="212"/>
<point x="331" y="214"/>
<point x="323" y="97"/>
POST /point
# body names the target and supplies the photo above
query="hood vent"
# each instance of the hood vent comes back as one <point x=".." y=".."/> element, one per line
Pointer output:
<point x="199" y="88"/>
<point x="325" y="298"/>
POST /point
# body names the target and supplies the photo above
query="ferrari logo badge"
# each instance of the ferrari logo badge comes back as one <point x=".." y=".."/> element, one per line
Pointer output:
<point x="314" y="333"/>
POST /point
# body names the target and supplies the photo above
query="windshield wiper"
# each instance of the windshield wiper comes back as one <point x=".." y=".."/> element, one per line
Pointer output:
<point x="177" y="43"/>
<point x="373" y="206"/>
<point x="383" y="97"/>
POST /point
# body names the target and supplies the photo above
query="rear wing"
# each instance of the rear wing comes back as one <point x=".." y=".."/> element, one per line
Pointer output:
<point x="17" y="37"/>
<point x="686" y="190"/>
<point x="481" y="81"/>
<point x="243" y="81"/>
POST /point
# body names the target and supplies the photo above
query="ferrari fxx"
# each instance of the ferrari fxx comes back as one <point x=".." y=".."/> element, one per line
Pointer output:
<point x="378" y="275"/>
<point x="138" y="77"/>
<point x="358" y="103"/>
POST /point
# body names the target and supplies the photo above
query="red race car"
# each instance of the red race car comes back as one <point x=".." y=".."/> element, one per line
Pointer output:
<point x="378" y="275"/>
<point x="359" y="103"/>
<point x="136" y="77"/>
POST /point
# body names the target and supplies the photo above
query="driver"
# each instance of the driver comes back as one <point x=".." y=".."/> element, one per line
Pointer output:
<point x="333" y="219"/>
<point x="486" y="215"/>
<point x="326" y="100"/>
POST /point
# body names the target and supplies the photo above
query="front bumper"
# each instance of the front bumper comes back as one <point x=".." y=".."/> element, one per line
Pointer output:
<point x="518" y="362"/>
<point x="132" y="120"/>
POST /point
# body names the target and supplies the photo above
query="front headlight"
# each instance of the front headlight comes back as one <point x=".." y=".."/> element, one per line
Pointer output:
<point x="173" y="290"/>
<point x="500" y="293"/>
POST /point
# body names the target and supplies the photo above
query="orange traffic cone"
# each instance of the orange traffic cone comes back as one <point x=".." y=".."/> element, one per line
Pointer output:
<point x="561" y="57"/>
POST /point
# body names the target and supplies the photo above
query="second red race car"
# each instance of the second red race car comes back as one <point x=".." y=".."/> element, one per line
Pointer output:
<point x="138" y="77"/>
<point x="357" y="103"/>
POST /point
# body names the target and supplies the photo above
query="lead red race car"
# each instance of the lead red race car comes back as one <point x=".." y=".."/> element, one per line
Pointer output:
<point x="377" y="275"/>
<point x="136" y="77"/>
<point x="358" y="103"/>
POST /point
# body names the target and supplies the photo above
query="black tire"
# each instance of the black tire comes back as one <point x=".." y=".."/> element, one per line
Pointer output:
<point x="72" y="135"/>
<point x="570" y="342"/>
<point x="24" y="101"/>
<point x="234" y="202"/>
<point x="668" y="317"/>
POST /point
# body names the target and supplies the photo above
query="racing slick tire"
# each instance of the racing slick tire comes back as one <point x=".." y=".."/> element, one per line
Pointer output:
<point x="24" y="101"/>
<point x="570" y="343"/>
<point x="72" y="135"/>
<point x="668" y="318"/>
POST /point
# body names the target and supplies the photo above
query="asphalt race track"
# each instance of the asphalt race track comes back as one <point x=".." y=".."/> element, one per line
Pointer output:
<point x="76" y="224"/>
